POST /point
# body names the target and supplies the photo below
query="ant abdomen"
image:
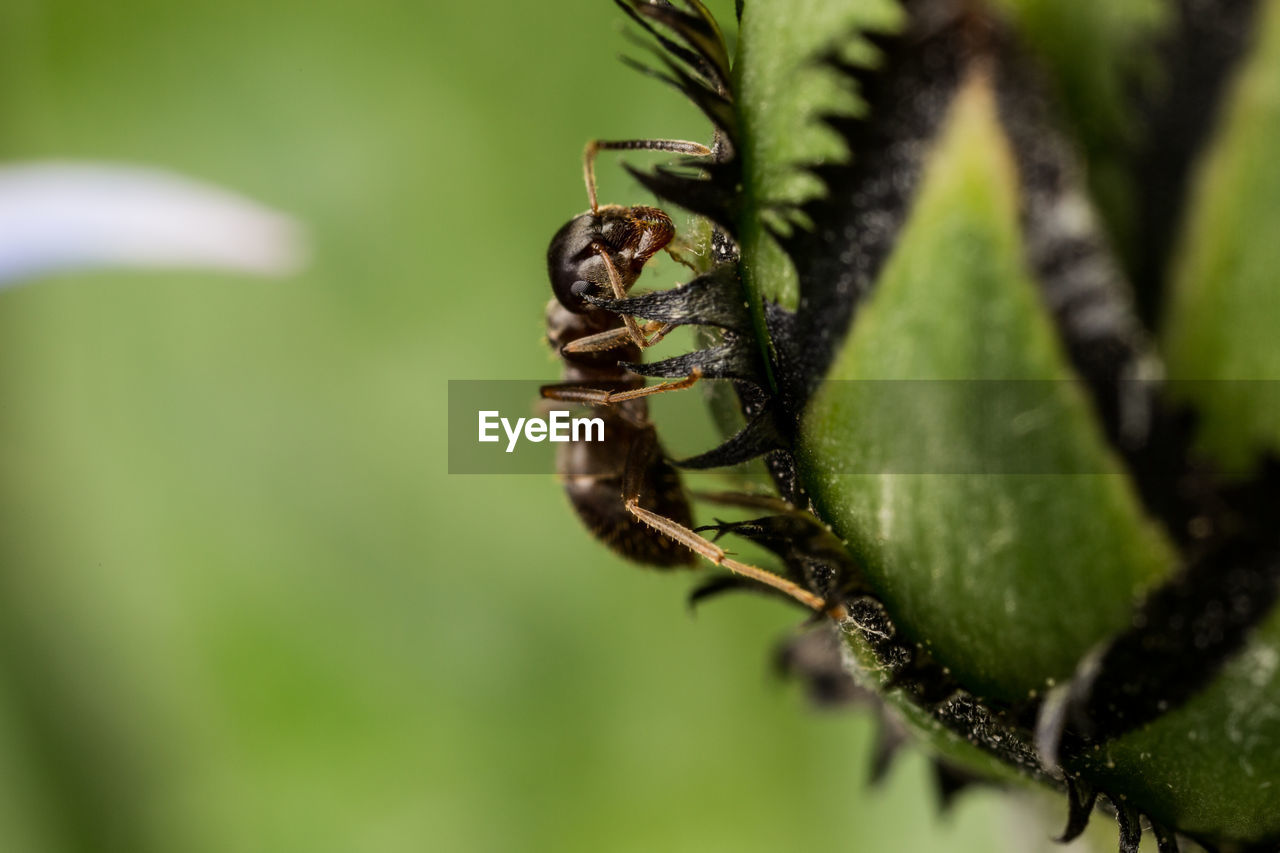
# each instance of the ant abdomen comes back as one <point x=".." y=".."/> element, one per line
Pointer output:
<point x="595" y="473"/>
<point x="595" y="478"/>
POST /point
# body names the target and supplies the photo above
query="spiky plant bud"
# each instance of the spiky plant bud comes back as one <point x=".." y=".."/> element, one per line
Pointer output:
<point x="996" y="285"/>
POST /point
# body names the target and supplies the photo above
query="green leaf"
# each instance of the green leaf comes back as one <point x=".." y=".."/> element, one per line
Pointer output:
<point x="1223" y="320"/>
<point x="1006" y="579"/>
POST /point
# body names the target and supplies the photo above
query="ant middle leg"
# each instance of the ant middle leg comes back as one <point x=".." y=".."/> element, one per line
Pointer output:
<point x="617" y="337"/>
<point x="642" y="453"/>
<point x="600" y="397"/>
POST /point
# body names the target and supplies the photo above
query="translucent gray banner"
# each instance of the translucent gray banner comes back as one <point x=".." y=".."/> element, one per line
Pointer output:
<point x="942" y="427"/>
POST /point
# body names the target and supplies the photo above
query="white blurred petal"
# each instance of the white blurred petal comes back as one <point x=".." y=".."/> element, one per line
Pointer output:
<point x="65" y="216"/>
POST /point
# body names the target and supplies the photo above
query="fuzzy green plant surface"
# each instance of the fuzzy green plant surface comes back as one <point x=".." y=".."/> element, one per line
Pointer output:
<point x="1222" y="323"/>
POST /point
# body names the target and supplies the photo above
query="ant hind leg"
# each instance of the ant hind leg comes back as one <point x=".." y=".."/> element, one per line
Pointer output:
<point x="641" y="455"/>
<point x="600" y="397"/>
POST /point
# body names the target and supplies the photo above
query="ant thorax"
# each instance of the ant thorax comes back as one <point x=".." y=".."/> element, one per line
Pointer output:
<point x="565" y="326"/>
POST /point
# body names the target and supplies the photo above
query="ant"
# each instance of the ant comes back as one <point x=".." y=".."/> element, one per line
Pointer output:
<point x="624" y="489"/>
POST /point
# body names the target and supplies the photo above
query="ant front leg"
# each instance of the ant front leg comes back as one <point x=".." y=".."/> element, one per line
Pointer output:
<point x="629" y="325"/>
<point x="676" y="146"/>
<point x="616" y="283"/>
<point x="643" y="452"/>
<point x="598" y="397"/>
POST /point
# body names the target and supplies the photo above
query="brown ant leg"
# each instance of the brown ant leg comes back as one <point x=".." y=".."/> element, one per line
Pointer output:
<point x="596" y="397"/>
<point x="679" y="258"/>
<point x="617" y="337"/>
<point x="620" y="292"/>
<point x="677" y="146"/>
<point x="661" y="333"/>
<point x="747" y="500"/>
<point x="637" y="463"/>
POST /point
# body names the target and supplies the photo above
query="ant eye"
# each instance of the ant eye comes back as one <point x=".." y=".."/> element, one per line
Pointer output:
<point x="580" y="288"/>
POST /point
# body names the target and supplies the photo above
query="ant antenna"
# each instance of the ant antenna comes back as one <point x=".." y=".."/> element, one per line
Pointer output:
<point x="678" y="146"/>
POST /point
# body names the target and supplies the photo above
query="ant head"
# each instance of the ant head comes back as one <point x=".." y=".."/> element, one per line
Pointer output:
<point x="589" y="247"/>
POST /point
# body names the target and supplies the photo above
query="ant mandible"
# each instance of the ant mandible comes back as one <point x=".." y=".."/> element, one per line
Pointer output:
<point x="623" y="488"/>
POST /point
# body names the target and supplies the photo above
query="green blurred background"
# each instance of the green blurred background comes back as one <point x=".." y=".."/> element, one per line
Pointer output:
<point x="243" y="606"/>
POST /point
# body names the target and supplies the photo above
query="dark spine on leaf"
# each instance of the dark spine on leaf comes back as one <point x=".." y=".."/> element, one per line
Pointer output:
<point x="695" y="62"/>
<point x="714" y="200"/>
<point x="714" y="299"/>
<point x="814" y="658"/>
<point x="725" y="360"/>
<point x="758" y="437"/>
<point x="1166" y="841"/>
<point x="810" y="552"/>
<point x="1130" y="826"/>
<point x="1080" y="801"/>
<point x="950" y="781"/>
